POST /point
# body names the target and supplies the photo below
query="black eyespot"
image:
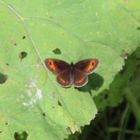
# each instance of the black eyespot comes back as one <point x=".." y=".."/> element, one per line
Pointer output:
<point x="93" y="63"/>
<point x="50" y="63"/>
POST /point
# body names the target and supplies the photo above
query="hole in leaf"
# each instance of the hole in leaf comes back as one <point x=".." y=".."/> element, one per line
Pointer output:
<point x="7" y="64"/>
<point x="3" y="78"/>
<point x="57" y="51"/>
<point x="21" y="136"/>
<point x="59" y="103"/>
<point x="43" y="114"/>
<point x="53" y="107"/>
<point x="22" y="55"/>
<point x="138" y="28"/>
<point x="15" y="44"/>
<point x="6" y="123"/>
<point x="24" y="37"/>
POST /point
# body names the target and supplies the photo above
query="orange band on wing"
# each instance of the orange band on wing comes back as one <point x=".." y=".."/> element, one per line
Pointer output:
<point x="87" y="66"/>
<point x="52" y="66"/>
<point x="56" y="66"/>
<point x="91" y="65"/>
<point x="62" y="81"/>
<point x="80" y="80"/>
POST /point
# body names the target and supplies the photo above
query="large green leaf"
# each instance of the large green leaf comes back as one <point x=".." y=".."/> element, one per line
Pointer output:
<point x="31" y="101"/>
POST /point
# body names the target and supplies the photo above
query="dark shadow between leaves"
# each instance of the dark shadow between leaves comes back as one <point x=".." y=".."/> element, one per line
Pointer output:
<point x="95" y="81"/>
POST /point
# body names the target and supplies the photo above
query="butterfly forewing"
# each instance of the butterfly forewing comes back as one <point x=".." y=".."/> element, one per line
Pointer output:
<point x="87" y="66"/>
<point x="56" y="66"/>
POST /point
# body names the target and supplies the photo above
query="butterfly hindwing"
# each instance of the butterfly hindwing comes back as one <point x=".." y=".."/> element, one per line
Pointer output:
<point x="56" y="66"/>
<point x="80" y="78"/>
<point x="64" y="78"/>
<point x="86" y="66"/>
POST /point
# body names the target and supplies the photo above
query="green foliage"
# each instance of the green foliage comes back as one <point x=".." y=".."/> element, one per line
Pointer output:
<point x="32" y="104"/>
<point x="116" y="119"/>
<point x="114" y="95"/>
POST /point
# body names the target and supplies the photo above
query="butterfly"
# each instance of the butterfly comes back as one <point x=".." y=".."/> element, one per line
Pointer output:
<point x="71" y="74"/>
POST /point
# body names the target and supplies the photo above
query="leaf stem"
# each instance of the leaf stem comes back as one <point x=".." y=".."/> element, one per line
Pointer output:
<point x="127" y="131"/>
<point x="133" y="104"/>
<point x="123" y="123"/>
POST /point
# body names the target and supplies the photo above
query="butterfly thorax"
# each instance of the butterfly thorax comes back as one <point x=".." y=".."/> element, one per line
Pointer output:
<point x="72" y="66"/>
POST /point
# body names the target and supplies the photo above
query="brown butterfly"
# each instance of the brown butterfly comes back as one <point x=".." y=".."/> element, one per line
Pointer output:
<point x="71" y="74"/>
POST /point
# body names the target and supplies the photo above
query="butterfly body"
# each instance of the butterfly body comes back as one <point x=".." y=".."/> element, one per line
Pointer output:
<point x="71" y="74"/>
